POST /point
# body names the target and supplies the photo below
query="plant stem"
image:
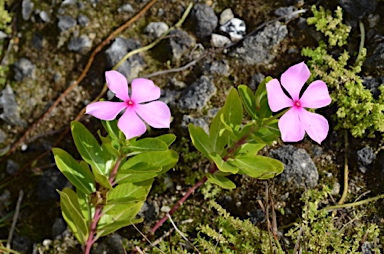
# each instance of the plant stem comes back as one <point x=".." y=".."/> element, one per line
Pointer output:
<point x="213" y="169"/>
<point x="362" y="202"/>
<point x="99" y="210"/>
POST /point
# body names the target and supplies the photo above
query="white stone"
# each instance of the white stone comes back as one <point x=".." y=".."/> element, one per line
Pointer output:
<point x="235" y="28"/>
<point x="219" y="41"/>
<point x="226" y="16"/>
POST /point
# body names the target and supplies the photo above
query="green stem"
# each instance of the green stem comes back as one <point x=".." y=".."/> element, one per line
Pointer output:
<point x="362" y="41"/>
<point x="362" y="202"/>
<point x="275" y="117"/>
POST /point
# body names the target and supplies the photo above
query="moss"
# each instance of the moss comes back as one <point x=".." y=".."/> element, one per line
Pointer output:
<point x="357" y="110"/>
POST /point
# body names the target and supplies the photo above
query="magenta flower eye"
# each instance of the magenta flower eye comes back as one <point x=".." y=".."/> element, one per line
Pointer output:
<point x="140" y="108"/>
<point x="297" y="121"/>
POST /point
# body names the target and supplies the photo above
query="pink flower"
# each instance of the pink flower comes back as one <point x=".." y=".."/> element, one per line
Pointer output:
<point x="297" y="120"/>
<point x="131" y="122"/>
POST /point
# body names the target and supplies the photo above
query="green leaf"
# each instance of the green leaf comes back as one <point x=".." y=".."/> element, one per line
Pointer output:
<point x="112" y="129"/>
<point x="167" y="138"/>
<point x="232" y="112"/>
<point x="250" y="148"/>
<point x="150" y="161"/>
<point x="200" y="139"/>
<point x="222" y="181"/>
<point x="72" y="214"/>
<point x="262" y="106"/>
<point x="248" y="99"/>
<point x="266" y="135"/>
<point x="148" y="144"/>
<point x="89" y="148"/>
<point x="258" y="166"/>
<point x="85" y="206"/>
<point x="223" y="165"/>
<point x="102" y="179"/>
<point x="78" y="174"/>
<point x="118" y="214"/>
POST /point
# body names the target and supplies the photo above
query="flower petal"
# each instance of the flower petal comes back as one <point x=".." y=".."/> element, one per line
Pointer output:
<point x="277" y="99"/>
<point x="105" y="110"/>
<point x="315" y="125"/>
<point x="316" y="95"/>
<point x="290" y="126"/>
<point x="157" y="114"/>
<point x="294" y="78"/>
<point x="144" y="90"/>
<point x="131" y="125"/>
<point x="117" y="83"/>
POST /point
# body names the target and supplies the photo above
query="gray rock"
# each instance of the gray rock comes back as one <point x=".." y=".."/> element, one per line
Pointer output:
<point x="376" y="60"/>
<point x="58" y="227"/>
<point x="358" y="8"/>
<point x="256" y="79"/>
<point x="49" y="182"/>
<point x="83" y="20"/>
<point x="365" y="157"/>
<point x="10" y="108"/>
<point x="178" y="44"/>
<point x="66" y="22"/>
<point x="367" y="248"/>
<point x="226" y="16"/>
<point x="37" y="41"/>
<point x="80" y="44"/>
<point x="197" y="94"/>
<point x="26" y="9"/>
<point x="169" y="97"/>
<point x="126" y="8"/>
<point x="219" y="67"/>
<point x="299" y="168"/>
<point x="115" y="244"/>
<point x="373" y="85"/>
<point x="44" y="16"/>
<point x="373" y="20"/>
<point x="156" y="29"/>
<point x="219" y="41"/>
<point x="68" y="2"/>
<point x="258" y="48"/>
<point x="118" y="49"/>
<point x="22" y="244"/>
<point x="3" y="35"/>
<point x="203" y="21"/>
<point x="11" y="167"/>
<point x="23" y="68"/>
<point x="149" y="211"/>
<point x="3" y="137"/>
<point x="187" y="119"/>
<point x="287" y="12"/>
<point x="235" y="28"/>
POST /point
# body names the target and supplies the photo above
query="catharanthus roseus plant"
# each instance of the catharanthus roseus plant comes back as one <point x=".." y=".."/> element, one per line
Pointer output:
<point x="109" y="194"/>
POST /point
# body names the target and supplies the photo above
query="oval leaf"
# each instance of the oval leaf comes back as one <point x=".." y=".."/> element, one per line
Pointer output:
<point x="222" y="181"/>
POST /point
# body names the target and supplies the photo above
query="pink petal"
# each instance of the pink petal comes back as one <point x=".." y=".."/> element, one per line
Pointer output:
<point x="277" y="99"/>
<point x="144" y="90"/>
<point x="294" y="78"/>
<point x="157" y="114"/>
<point x="290" y="127"/>
<point x="117" y="83"/>
<point x="131" y="125"/>
<point x="316" y="95"/>
<point x="105" y="110"/>
<point x="315" y="125"/>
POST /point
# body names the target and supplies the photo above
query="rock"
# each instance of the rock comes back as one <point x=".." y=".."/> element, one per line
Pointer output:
<point x="44" y="16"/>
<point x="3" y="35"/>
<point x="156" y="29"/>
<point x="80" y="44"/>
<point x="358" y="8"/>
<point x="299" y="168"/>
<point x="58" y="227"/>
<point x="26" y="9"/>
<point x="187" y="119"/>
<point x="376" y="174"/>
<point x="66" y="22"/>
<point x="197" y="94"/>
<point x="258" y="48"/>
<point x="169" y="97"/>
<point x="23" y="68"/>
<point x="49" y="182"/>
<point x="219" y="67"/>
<point x="118" y="49"/>
<point x="376" y="60"/>
<point x="373" y="20"/>
<point x="367" y="248"/>
<point x="37" y="41"/>
<point x="10" y="108"/>
<point x="177" y="45"/>
<point x="256" y="216"/>
<point x="149" y="210"/>
<point x="365" y="157"/>
<point x="12" y="167"/>
<point x="235" y="28"/>
<point x="287" y="12"/>
<point x="256" y="79"/>
<point x="226" y="16"/>
<point x="373" y="85"/>
<point x="115" y="244"/>
<point x="68" y="2"/>
<point x="219" y="41"/>
<point x="82" y="20"/>
<point x="22" y="244"/>
<point x="202" y="21"/>
<point x="3" y="137"/>
<point x="126" y="8"/>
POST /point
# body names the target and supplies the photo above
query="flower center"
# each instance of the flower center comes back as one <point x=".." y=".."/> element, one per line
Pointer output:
<point x="297" y="104"/>
<point x="130" y="103"/>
